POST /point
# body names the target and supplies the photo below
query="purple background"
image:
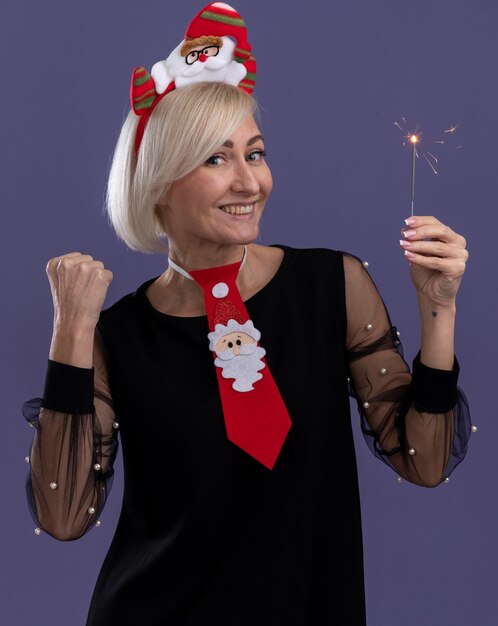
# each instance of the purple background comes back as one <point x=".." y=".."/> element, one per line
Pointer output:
<point x="332" y="79"/>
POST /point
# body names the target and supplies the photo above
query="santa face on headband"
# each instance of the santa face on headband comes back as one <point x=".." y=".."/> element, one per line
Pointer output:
<point x="205" y="58"/>
<point x="238" y="353"/>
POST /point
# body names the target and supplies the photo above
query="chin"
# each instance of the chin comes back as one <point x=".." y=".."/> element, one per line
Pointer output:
<point x="238" y="241"/>
<point x="244" y="237"/>
<point x="240" y="234"/>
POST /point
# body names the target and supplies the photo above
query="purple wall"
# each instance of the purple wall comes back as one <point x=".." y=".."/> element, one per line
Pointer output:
<point x="333" y="77"/>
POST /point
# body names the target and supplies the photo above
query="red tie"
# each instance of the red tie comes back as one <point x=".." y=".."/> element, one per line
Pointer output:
<point x="256" y="418"/>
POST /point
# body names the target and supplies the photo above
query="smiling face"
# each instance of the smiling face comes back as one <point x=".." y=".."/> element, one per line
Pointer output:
<point x="220" y="202"/>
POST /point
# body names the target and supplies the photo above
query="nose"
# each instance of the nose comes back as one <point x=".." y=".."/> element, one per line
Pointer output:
<point x="202" y="57"/>
<point x="236" y="350"/>
<point x="245" y="179"/>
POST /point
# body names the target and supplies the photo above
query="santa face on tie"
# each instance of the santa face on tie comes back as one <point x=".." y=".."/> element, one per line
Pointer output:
<point x="238" y="353"/>
<point x="206" y="58"/>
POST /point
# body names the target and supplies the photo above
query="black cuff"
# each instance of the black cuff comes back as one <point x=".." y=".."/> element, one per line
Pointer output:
<point x="434" y="391"/>
<point x="68" y="389"/>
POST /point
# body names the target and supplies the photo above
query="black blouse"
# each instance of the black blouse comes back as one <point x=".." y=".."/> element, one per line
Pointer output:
<point x="206" y="533"/>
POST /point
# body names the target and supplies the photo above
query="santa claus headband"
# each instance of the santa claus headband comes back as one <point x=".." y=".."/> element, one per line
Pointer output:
<point x="215" y="49"/>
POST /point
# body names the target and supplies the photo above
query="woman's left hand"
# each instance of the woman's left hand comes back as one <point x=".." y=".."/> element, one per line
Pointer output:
<point x="437" y="256"/>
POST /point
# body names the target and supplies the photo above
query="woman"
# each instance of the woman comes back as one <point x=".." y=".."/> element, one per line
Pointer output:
<point x="208" y="530"/>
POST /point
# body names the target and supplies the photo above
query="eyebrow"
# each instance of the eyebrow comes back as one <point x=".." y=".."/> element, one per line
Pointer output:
<point x="229" y="144"/>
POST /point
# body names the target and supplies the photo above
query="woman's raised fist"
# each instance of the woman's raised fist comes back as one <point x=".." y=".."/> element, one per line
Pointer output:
<point x="79" y="286"/>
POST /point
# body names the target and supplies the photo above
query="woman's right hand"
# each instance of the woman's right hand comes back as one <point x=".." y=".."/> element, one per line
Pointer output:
<point x="79" y="286"/>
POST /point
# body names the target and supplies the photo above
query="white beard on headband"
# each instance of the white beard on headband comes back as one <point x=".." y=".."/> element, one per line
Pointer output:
<point x="219" y="68"/>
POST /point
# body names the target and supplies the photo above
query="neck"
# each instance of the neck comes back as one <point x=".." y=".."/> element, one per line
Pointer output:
<point x="183" y="272"/>
<point x="191" y="259"/>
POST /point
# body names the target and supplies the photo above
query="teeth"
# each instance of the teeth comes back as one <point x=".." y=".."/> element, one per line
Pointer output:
<point x="237" y="209"/>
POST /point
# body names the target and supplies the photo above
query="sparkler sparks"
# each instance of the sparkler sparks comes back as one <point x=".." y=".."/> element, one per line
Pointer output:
<point x="414" y="138"/>
<point x="430" y="164"/>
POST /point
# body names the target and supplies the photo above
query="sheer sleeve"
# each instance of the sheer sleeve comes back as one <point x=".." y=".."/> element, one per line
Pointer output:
<point x="417" y="423"/>
<point x="75" y="444"/>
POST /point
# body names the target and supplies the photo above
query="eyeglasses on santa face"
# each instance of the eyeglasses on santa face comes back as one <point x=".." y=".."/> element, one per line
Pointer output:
<point x="209" y="51"/>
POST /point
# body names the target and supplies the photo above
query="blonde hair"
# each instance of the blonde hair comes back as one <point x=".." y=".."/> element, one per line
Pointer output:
<point x="185" y="128"/>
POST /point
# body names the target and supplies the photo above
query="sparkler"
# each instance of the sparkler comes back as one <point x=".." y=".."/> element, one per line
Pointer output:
<point x="413" y="141"/>
<point x="414" y="138"/>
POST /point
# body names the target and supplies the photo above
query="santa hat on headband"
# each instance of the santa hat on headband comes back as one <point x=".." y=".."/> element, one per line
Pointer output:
<point x="220" y="20"/>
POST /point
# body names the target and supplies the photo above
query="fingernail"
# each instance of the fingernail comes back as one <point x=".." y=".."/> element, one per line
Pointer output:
<point x="404" y="244"/>
<point x="411" y="221"/>
<point x="410" y="233"/>
<point x="409" y="255"/>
